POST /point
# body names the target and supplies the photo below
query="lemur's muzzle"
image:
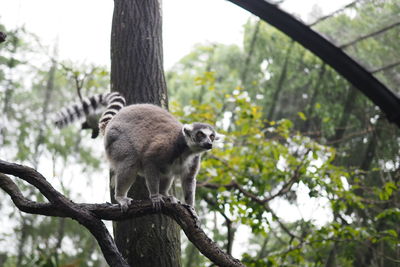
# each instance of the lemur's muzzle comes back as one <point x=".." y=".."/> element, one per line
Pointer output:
<point x="207" y="145"/>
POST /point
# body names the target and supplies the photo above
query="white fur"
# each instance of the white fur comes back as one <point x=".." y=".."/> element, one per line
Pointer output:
<point x="207" y="131"/>
<point x="219" y="137"/>
<point x="188" y="127"/>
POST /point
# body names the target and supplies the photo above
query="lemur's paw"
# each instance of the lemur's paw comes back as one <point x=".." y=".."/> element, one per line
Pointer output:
<point x="124" y="202"/>
<point x="156" y="200"/>
<point x="171" y="199"/>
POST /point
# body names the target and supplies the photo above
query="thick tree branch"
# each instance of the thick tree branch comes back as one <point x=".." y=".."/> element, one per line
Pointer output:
<point x="61" y="204"/>
<point x="25" y="204"/>
<point x="90" y="215"/>
<point x="34" y="178"/>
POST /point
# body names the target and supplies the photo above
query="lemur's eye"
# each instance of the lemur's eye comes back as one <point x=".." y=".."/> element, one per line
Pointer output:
<point x="212" y="137"/>
<point x="200" y="135"/>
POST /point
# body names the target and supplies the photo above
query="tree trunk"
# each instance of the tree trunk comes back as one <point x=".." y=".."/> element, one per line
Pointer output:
<point x="136" y="52"/>
<point x="22" y="239"/>
<point x="250" y="53"/>
<point x="311" y="105"/>
<point x="193" y="256"/>
<point x="348" y="107"/>
<point x="45" y="110"/>
<point x="281" y="80"/>
<point x="137" y="73"/>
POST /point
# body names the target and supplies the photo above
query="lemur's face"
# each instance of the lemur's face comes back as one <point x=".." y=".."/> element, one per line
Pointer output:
<point x="200" y="137"/>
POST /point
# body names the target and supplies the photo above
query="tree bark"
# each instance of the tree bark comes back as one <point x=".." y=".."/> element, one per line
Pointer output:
<point x="136" y="52"/>
<point x="137" y="73"/>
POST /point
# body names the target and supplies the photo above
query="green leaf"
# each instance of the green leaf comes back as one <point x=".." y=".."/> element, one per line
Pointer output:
<point x="302" y="115"/>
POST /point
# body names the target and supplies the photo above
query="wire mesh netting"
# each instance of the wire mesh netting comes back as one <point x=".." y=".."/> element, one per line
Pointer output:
<point x="364" y="29"/>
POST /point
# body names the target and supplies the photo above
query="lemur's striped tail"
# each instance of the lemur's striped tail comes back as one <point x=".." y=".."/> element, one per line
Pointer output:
<point x="90" y="106"/>
<point x="115" y="102"/>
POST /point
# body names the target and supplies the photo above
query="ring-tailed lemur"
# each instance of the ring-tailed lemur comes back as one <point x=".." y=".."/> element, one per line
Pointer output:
<point x="146" y="140"/>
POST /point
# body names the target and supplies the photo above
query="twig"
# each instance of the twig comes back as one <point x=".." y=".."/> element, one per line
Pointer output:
<point x="229" y="224"/>
<point x="284" y="189"/>
<point x="59" y="206"/>
<point x="264" y="202"/>
<point x="79" y="82"/>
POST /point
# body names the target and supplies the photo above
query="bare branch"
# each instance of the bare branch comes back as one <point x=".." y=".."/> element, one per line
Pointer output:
<point x="25" y="204"/>
<point x="229" y="224"/>
<point x="91" y="215"/>
<point x="34" y="178"/>
<point x="264" y="201"/>
<point x="61" y="204"/>
<point x="79" y="83"/>
<point x="181" y="213"/>
<point x="284" y="189"/>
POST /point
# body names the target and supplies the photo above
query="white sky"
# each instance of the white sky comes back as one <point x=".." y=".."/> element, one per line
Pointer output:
<point x="83" y="27"/>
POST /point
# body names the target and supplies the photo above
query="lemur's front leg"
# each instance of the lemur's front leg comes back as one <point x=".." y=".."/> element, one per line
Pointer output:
<point x="189" y="181"/>
<point x="165" y="185"/>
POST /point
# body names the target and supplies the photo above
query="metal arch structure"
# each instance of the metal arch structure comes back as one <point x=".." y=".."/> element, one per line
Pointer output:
<point x="363" y="80"/>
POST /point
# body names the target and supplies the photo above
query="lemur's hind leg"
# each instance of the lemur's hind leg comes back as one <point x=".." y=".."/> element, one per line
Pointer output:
<point x="125" y="176"/>
<point x="153" y="176"/>
<point x="189" y="181"/>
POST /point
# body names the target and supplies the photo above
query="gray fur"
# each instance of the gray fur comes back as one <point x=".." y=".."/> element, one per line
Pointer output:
<point x="147" y="140"/>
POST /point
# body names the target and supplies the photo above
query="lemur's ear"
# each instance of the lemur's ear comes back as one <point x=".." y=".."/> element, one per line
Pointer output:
<point x="219" y="137"/>
<point x="187" y="129"/>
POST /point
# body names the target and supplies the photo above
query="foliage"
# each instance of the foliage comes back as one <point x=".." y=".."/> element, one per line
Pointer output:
<point x="28" y="95"/>
<point x="287" y="114"/>
<point x="262" y="161"/>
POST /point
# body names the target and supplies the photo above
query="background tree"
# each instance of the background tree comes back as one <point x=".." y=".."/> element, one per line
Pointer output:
<point x="287" y="82"/>
<point x="26" y="86"/>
